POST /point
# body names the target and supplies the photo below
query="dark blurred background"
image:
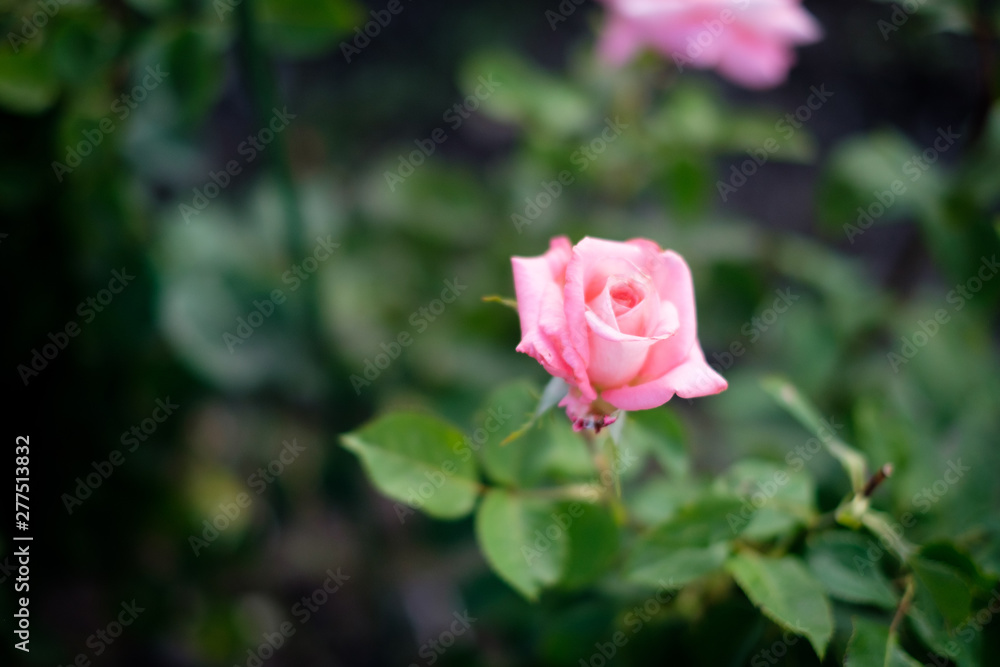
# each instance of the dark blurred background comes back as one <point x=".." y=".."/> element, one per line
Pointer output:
<point x="323" y="177"/>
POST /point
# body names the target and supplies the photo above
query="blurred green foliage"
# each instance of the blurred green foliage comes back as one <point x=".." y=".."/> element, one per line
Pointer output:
<point x="863" y="293"/>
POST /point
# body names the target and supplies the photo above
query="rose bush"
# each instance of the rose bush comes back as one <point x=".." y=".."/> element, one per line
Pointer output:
<point x="616" y="321"/>
<point x="748" y="41"/>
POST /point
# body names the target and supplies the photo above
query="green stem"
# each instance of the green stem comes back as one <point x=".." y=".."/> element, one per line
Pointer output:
<point x="904" y="606"/>
<point x="603" y="451"/>
<point x="585" y="492"/>
<point x="880" y="524"/>
<point x="789" y="397"/>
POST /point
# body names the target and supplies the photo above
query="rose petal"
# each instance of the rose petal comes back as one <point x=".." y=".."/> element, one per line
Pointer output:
<point x="748" y="41"/>
<point x="538" y="286"/>
<point x="643" y="317"/>
<point x="672" y="278"/>
<point x="691" y="379"/>
<point x="593" y="261"/>
<point x="615" y="357"/>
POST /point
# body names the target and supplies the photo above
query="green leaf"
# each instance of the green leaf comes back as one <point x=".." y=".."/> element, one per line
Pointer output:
<point x="83" y="45"/>
<point x="776" y="500"/>
<point x="687" y="182"/>
<point x="947" y="588"/>
<point x="593" y="543"/>
<point x="755" y="131"/>
<point x="660" y="433"/>
<point x="418" y="460"/>
<point x="525" y="95"/>
<point x="691" y="118"/>
<point x="306" y="27"/>
<point x="195" y="61"/>
<point x="525" y="393"/>
<point x="961" y="645"/>
<point x="870" y="646"/>
<point x="691" y="544"/>
<point x="535" y="543"/>
<point x="876" y="173"/>
<point x="545" y="449"/>
<point x="790" y="398"/>
<point x="744" y="630"/>
<point x="511" y="533"/>
<point x="949" y="554"/>
<point x="28" y="83"/>
<point x="840" y="562"/>
<point x="660" y="499"/>
<point x="786" y="593"/>
<point x="657" y="565"/>
<point x="514" y="406"/>
<point x="707" y="520"/>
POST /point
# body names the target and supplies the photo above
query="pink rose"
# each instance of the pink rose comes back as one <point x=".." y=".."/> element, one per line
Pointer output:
<point x="616" y="321"/>
<point x="748" y="41"/>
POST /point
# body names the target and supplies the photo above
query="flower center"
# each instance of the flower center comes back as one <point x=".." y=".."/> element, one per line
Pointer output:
<point x="625" y="297"/>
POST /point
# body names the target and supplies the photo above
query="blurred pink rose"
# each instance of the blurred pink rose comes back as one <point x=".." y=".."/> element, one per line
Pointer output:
<point x="616" y="321"/>
<point x="748" y="41"/>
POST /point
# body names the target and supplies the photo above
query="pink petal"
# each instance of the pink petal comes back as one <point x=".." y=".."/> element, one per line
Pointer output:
<point x="615" y="357"/>
<point x="691" y="379"/>
<point x="750" y="41"/>
<point x="619" y="41"/>
<point x="674" y="285"/>
<point x="756" y="61"/>
<point x="538" y="286"/>
<point x="593" y="261"/>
